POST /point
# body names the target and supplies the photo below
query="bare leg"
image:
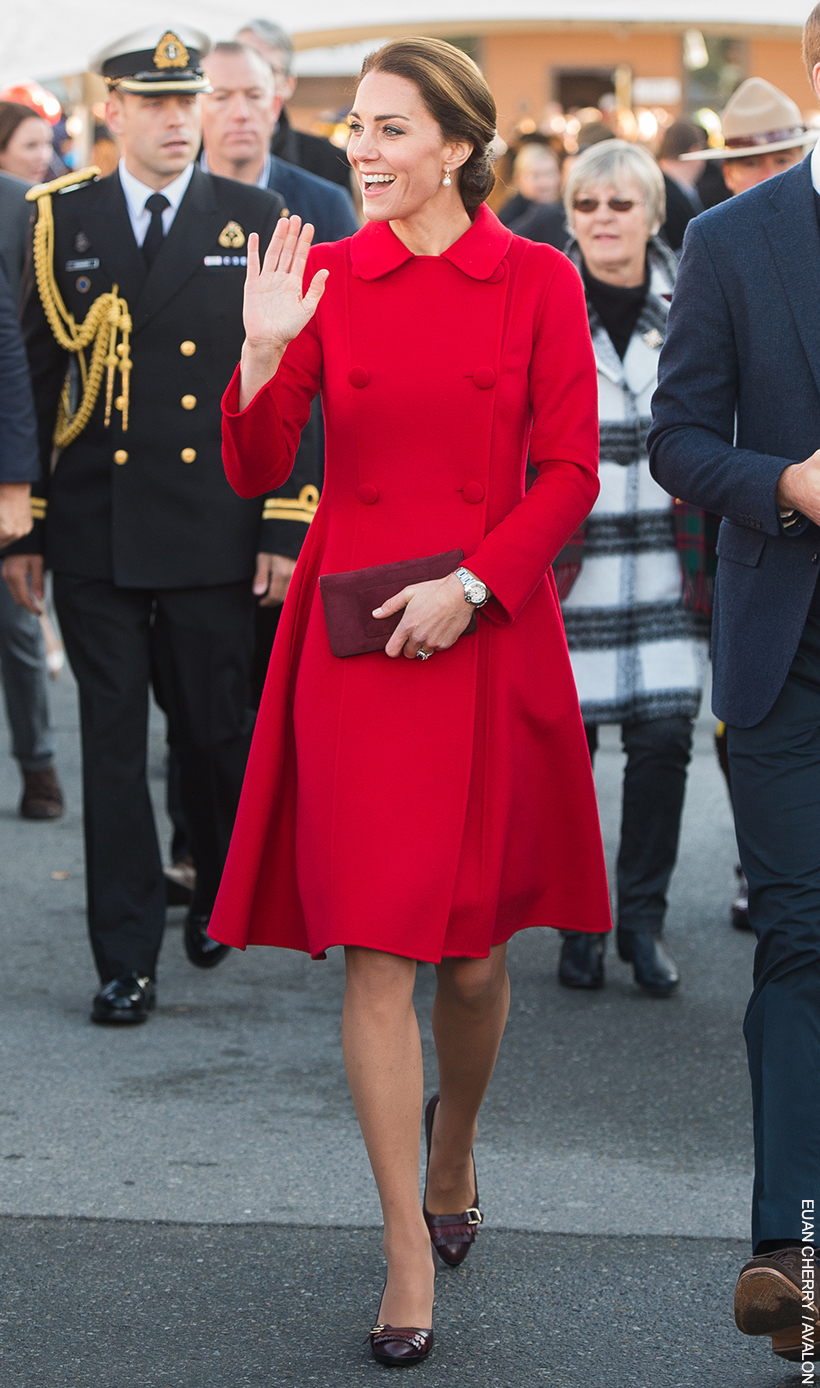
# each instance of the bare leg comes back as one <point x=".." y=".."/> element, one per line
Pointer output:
<point x="469" y="1015"/>
<point x="382" y="1051"/>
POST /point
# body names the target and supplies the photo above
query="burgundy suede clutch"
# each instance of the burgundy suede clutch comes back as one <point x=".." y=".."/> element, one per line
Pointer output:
<point x="349" y="600"/>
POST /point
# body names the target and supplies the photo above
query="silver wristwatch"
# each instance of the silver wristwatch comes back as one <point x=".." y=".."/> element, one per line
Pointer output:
<point x="475" y="591"/>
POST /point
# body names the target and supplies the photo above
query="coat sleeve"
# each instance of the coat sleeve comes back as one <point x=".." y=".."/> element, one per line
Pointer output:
<point x="514" y="557"/>
<point x="691" y="443"/>
<point x="259" y="443"/>
<point x="19" y="461"/>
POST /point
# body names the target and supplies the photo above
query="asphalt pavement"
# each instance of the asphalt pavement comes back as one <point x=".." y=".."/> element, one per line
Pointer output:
<point x="188" y="1204"/>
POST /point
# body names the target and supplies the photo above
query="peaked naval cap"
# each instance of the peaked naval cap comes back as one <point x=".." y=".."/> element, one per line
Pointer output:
<point x="155" y="60"/>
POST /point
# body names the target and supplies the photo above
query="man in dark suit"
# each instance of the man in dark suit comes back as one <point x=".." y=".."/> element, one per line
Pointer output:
<point x="736" y="429"/>
<point x="311" y="152"/>
<point x="153" y="554"/>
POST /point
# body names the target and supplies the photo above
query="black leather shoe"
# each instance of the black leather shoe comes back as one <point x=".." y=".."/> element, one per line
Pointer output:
<point x="125" y="1000"/>
<point x="199" y="947"/>
<point x="655" y="971"/>
<point x="582" y="960"/>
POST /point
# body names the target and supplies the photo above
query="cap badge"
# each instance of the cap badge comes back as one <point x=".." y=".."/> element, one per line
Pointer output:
<point x="171" y="52"/>
<point x="232" y="236"/>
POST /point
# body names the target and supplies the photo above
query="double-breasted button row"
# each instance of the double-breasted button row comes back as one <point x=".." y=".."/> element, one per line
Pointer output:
<point x="187" y="455"/>
<point x="473" y="492"/>
<point x="484" y="377"/>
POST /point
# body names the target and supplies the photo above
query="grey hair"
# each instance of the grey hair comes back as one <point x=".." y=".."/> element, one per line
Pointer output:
<point x="606" y="162"/>
<point x="271" y="34"/>
<point x="233" y="48"/>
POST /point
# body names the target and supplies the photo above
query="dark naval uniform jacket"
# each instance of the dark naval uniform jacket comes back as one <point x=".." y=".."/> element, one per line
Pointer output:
<point x="150" y="507"/>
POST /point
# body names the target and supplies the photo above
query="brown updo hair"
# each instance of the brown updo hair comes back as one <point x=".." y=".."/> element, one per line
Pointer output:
<point x="455" y="93"/>
<point x="12" y="115"/>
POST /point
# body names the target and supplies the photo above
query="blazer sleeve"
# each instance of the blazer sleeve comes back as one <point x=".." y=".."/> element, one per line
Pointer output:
<point x="514" y="557"/>
<point x="19" y="461"/>
<point x="259" y="443"/>
<point x="692" y="453"/>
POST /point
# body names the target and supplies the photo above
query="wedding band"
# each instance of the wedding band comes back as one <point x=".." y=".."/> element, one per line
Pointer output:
<point x="423" y="655"/>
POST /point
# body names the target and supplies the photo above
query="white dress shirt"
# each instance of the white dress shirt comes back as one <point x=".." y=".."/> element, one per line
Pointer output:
<point x="815" y="167"/>
<point x="137" y="193"/>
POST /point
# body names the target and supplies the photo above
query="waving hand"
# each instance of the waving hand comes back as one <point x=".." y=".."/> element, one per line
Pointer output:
<point x="276" y="310"/>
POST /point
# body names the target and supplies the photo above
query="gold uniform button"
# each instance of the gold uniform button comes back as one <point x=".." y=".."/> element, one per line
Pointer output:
<point x="188" y="402"/>
<point x="119" y="402"/>
<point x="120" y="456"/>
<point x="188" y="454"/>
<point x="120" y="349"/>
<point x="187" y="348"/>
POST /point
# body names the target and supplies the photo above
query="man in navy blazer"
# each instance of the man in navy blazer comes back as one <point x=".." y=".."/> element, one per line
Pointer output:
<point x="737" y="431"/>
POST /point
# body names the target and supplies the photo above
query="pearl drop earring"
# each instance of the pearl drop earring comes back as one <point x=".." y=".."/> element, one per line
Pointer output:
<point x="447" y="179"/>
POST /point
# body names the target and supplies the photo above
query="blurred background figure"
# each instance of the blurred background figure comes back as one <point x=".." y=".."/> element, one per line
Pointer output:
<point x="537" y="180"/>
<point x="547" y="222"/>
<point x="311" y="152"/>
<point x="26" y="143"/>
<point x="22" y="648"/>
<point x="639" y="656"/>
<point x="683" y="201"/>
<point x="764" y="134"/>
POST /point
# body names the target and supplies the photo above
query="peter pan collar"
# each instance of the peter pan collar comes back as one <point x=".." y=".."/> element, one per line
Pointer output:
<point x="376" y="250"/>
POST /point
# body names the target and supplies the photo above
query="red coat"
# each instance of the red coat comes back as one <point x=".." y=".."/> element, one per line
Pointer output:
<point x="425" y="808"/>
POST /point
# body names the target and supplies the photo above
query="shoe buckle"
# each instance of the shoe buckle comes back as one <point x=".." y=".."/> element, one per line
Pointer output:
<point x="477" y="1216"/>
<point x="377" y="1329"/>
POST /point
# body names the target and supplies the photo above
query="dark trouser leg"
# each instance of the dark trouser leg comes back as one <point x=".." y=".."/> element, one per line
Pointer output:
<point x="25" y="684"/>
<point x="582" y="952"/>
<point x="106" y="632"/>
<point x="202" y="648"/>
<point x="776" y="783"/>
<point x="266" y="623"/>
<point x="657" y="755"/>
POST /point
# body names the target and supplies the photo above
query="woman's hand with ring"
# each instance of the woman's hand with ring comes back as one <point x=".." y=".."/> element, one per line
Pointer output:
<point x="435" y="615"/>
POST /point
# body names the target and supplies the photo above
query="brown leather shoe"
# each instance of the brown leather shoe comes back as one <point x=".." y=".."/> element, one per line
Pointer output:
<point x="400" y="1345"/>
<point x="42" y="795"/>
<point x="769" y="1300"/>
<point x="452" y="1235"/>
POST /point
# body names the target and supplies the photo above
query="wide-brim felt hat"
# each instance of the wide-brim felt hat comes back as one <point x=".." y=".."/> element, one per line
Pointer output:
<point x="759" y="119"/>
<point x="155" y="60"/>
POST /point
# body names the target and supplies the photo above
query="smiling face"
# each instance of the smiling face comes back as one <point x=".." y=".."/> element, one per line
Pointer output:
<point x="29" y="150"/>
<point x="612" y="241"/>
<point x="398" y="151"/>
<point x="159" y="134"/>
<point x="240" y="114"/>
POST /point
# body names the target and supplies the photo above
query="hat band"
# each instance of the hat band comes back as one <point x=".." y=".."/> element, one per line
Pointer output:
<point x="771" y="137"/>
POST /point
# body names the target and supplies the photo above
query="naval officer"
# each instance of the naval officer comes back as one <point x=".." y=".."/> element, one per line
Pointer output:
<point x="133" y="324"/>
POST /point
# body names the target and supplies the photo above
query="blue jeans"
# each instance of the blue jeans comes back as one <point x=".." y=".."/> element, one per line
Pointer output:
<point x="25" y="684"/>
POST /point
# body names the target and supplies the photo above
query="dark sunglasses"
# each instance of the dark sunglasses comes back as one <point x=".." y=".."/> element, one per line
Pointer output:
<point x="614" y="204"/>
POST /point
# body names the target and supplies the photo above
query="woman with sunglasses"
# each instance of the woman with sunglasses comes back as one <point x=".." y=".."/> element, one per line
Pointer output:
<point x="638" y="653"/>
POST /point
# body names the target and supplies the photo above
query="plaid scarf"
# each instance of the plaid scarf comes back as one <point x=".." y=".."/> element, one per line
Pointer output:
<point x="696" y="535"/>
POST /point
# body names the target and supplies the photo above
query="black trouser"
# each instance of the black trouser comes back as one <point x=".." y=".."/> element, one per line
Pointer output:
<point x="195" y="646"/>
<point x="657" y="755"/>
<point x="775" y="770"/>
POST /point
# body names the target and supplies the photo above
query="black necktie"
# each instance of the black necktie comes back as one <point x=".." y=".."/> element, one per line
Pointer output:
<point x="156" y="205"/>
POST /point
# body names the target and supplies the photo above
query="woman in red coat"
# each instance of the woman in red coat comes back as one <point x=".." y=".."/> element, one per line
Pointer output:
<point x="427" y="803"/>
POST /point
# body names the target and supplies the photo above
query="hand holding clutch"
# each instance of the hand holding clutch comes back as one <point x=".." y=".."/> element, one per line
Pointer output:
<point x="408" y="599"/>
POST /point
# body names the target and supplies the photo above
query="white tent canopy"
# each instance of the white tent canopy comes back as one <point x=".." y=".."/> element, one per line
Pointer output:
<point x="45" y="38"/>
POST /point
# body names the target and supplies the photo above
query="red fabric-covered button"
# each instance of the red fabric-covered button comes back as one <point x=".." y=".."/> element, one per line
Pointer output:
<point x="367" y="493"/>
<point x="358" y="377"/>
<point x="484" y="377"/>
<point x="473" y="492"/>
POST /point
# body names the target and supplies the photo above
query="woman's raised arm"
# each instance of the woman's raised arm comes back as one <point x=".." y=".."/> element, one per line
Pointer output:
<point x="275" y="309"/>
